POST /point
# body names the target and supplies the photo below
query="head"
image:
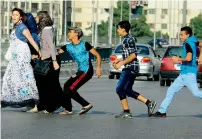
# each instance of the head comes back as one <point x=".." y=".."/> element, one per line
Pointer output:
<point x="185" y="33"/>
<point x="43" y="19"/>
<point x="123" y="28"/>
<point x="17" y="15"/>
<point x="75" y="33"/>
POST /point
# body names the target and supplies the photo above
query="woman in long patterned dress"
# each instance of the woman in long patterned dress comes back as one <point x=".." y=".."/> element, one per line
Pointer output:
<point x="19" y="87"/>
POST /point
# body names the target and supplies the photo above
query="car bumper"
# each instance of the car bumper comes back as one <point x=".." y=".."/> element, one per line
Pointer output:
<point x="172" y="75"/>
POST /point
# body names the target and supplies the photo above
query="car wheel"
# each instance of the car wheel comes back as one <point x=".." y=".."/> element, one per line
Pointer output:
<point x="200" y="85"/>
<point x="162" y="82"/>
<point x="117" y="76"/>
<point x="168" y="83"/>
<point x="111" y="76"/>
<point x="156" y="77"/>
<point x="149" y="79"/>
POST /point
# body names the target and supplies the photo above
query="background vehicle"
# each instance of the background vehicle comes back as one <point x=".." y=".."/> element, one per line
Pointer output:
<point x="159" y="43"/>
<point x="169" y="71"/>
<point x="149" y="62"/>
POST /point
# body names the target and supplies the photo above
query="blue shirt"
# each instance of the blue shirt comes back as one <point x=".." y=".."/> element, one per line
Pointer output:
<point x="80" y="54"/>
<point x="189" y="66"/>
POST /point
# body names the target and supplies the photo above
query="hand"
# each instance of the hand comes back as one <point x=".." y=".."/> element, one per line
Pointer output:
<point x="200" y="60"/>
<point x="35" y="56"/>
<point x="40" y="55"/>
<point x="175" y="59"/>
<point x="60" y="51"/>
<point x="118" y="65"/>
<point x="98" y="72"/>
<point x="117" y="61"/>
<point x="56" y="65"/>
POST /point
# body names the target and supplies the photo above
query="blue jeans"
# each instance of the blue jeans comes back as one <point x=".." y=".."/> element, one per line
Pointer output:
<point x="188" y="80"/>
<point x="125" y="85"/>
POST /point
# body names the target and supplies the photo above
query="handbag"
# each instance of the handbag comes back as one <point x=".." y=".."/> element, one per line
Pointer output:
<point x="42" y="67"/>
<point x="8" y="55"/>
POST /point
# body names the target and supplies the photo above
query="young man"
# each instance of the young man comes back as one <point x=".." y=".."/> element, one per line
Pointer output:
<point x="188" y="72"/>
<point x="129" y="73"/>
<point x="80" y="51"/>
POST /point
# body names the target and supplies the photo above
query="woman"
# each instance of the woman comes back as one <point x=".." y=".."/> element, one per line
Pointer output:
<point x="49" y="86"/>
<point x="19" y="86"/>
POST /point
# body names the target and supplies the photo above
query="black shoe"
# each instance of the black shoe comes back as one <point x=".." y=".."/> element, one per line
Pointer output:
<point x="151" y="106"/>
<point x="158" y="114"/>
<point x="124" y="115"/>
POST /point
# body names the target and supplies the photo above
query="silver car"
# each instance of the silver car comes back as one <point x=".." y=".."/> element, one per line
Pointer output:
<point x="148" y="60"/>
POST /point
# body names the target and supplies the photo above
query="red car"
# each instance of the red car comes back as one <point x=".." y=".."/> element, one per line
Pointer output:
<point x="169" y="71"/>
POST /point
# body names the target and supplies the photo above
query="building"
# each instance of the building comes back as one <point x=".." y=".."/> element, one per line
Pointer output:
<point x="55" y="8"/>
<point x="169" y="16"/>
<point x="83" y="14"/>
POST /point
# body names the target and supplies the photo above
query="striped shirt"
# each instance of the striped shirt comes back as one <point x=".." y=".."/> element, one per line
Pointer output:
<point x="129" y="47"/>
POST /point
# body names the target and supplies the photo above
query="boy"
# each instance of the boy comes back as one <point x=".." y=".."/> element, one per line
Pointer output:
<point x="80" y="51"/>
<point x="129" y="73"/>
<point x="188" y="72"/>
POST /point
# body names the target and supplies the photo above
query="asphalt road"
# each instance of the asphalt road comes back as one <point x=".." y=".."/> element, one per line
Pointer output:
<point x="184" y="119"/>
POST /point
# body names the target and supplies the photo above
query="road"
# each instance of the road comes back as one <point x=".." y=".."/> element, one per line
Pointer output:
<point x="184" y="119"/>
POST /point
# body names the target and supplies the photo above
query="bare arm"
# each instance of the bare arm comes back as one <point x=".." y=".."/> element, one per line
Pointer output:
<point x="98" y="57"/>
<point x="27" y="34"/>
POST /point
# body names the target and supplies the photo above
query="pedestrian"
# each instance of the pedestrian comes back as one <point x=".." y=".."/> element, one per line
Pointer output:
<point x="129" y="73"/>
<point x="19" y="87"/>
<point x="80" y="51"/>
<point x="48" y="85"/>
<point x="31" y="24"/>
<point x="187" y="77"/>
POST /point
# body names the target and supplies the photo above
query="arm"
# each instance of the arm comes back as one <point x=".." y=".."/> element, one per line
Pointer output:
<point x="48" y="37"/>
<point x="200" y="56"/>
<point x="27" y="34"/>
<point x="189" y="54"/>
<point x="62" y="49"/>
<point x="98" y="58"/>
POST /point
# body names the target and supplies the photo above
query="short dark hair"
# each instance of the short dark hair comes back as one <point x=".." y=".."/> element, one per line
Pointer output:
<point x="187" y="29"/>
<point x="125" y="24"/>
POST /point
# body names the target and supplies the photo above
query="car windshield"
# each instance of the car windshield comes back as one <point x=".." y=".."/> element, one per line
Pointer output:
<point x="141" y="49"/>
<point x="176" y="51"/>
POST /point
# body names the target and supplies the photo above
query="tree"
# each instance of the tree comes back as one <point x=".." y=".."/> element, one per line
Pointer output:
<point x="196" y="25"/>
<point x="139" y="25"/>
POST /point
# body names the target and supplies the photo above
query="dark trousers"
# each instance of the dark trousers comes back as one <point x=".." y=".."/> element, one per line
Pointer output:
<point x="125" y="85"/>
<point x="71" y="87"/>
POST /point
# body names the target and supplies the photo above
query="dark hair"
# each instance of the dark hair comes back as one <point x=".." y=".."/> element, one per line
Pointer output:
<point x="44" y="20"/>
<point x="20" y="12"/>
<point x="125" y="24"/>
<point x="187" y="29"/>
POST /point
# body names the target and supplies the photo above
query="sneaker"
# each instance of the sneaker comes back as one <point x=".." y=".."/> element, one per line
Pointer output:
<point x="158" y="114"/>
<point x="151" y="106"/>
<point x="65" y="112"/>
<point x="124" y="115"/>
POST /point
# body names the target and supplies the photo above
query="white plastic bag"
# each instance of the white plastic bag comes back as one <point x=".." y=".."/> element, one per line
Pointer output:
<point x="8" y="54"/>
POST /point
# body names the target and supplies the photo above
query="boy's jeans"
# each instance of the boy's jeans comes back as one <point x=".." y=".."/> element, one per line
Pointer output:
<point x="188" y="80"/>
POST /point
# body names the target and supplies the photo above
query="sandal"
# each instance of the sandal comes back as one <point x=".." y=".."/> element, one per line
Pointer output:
<point x="85" y="110"/>
<point x="65" y="112"/>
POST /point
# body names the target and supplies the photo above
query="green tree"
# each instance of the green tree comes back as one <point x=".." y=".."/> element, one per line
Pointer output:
<point x="196" y="24"/>
<point x="139" y="25"/>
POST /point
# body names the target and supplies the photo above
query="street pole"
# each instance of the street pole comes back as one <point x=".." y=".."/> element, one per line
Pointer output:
<point x="178" y="21"/>
<point x="129" y="11"/>
<point x="73" y="11"/>
<point x="184" y="13"/>
<point x="161" y="17"/>
<point x="65" y="25"/>
<point x="96" y="24"/>
<point x="93" y="22"/>
<point x="111" y="22"/>
<point x="121" y="17"/>
<point x="154" y="43"/>
<point x="169" y="9"/>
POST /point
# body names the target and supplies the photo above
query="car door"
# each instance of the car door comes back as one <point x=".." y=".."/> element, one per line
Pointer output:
<point x="155" y="61"/>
